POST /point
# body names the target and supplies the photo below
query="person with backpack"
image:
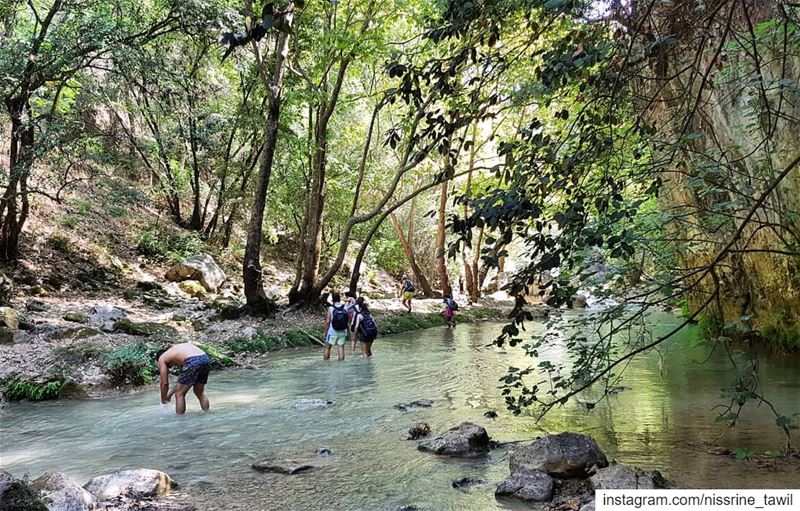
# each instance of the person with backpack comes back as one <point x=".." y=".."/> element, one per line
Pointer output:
<point x="353" y="309"/>
<point x="365" y="328"/>
<point x="336" y="326"/>
<point x="408" y="292"/>
<point x="450" y="306"/>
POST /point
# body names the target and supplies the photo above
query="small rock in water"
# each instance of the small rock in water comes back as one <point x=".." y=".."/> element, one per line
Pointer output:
<point x="420" y="430"/>
<point x="281" y="466"/>
<point x="617" y="390"/>
<point x="414" y="405"/>
<point x="620" y="477"/>
<point x="466" y="483"/>
<point x="466" y="439"/>
<point x="311" y="404"/>
<point x="408" y="508"/>
<point x="491" y="414"/>
<point x="563" y="455"/>
<point x="324" y="452"/>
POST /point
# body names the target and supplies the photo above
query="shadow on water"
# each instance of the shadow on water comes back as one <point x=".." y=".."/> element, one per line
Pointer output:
<point x="373" y="467"/>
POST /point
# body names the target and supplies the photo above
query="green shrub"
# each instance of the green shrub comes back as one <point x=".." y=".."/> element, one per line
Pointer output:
<point x="389" y="255"/>
<point x="133" y="365"/>
<point x="296" y="338"/>
<point x="19" y="388"/>
<point x="171" y="248"/>
<point x="219" y="360"/>
<point x="59" y="242"/>
<point x="150" y="244"/>
<point x="259" y="343"/>
<point x="68" y="221"/>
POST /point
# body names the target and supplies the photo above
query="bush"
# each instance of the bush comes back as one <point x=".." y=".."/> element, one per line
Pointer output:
<point x="59" y="242"/>
<point x="68" y="221"/>
<point x="259" y="343"/>
<point x="389" y="255"/>
<point x="19" y="388"/>
<point x="171" y="248"/>
<point x="218" y="359"/>
<point x="133" y="365"/>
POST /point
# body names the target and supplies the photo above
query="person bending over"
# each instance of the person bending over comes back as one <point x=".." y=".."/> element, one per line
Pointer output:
<point x="195" y="366"/>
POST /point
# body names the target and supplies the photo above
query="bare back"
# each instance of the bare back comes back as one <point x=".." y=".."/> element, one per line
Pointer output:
<point x="178" y="353"/>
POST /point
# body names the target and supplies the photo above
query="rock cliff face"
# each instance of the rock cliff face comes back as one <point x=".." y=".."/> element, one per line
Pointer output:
<point x="729" y="90"/>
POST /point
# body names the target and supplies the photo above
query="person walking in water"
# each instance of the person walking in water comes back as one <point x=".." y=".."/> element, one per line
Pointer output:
<point x="450" y="306"/>
<point x="408" y="292"/>
<point x="195" y="366"/>
<point x="365" y="329"/>
<point x="352" y="308"/>
<point x="336" y="325"/>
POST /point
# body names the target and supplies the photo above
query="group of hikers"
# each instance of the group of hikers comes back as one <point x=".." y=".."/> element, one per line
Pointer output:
<point x="349" y="318"/>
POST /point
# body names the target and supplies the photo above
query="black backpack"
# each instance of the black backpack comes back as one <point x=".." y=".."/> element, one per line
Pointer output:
<point x="339" y="318"/>
<point x="367" y="330"/>
<point x="409" y="287"/>
<point x="452" y="304"/>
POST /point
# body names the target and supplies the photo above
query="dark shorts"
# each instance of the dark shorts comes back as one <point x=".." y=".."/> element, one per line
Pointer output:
<point x="195" y="370"/>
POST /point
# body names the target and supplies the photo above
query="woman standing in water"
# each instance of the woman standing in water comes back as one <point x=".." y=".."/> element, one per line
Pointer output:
<point x="365" y="329"/>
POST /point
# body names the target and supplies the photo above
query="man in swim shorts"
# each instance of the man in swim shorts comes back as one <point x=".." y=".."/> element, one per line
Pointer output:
<point x="337" y="322"/>
<point x="195" y="366"/>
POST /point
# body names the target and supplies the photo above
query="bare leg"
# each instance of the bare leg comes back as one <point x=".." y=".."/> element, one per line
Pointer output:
<point x="340" y="348"/>
<point x="326" y="352"/>
<point x="366" y="349"/>
<point x="353" y="347"/>
<point x="199" y="389"/>
<point x="180" y="398"/>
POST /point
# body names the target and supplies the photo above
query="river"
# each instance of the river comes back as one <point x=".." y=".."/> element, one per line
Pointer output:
<point x="654" y="426"/>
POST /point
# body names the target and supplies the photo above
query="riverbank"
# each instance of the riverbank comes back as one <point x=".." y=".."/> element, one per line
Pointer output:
<point x="99" y="346"/>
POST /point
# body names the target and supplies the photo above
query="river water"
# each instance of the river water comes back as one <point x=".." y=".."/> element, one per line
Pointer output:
<point x="657" y="425"/>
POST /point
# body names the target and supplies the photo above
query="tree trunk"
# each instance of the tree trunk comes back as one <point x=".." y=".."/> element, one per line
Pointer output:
<point x="441" y="253"/>
<point x="14" y="203"/>
<point x="253" y="287"/>
<point x="412" y="261"/>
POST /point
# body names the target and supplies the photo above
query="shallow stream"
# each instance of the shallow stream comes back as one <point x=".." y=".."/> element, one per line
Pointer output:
<point x="657" y="424"/>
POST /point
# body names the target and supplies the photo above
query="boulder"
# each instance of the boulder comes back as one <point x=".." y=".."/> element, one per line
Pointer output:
<point x="9" y="318"/>
<point x="61" y="494"/>
<point x="105" y="316"/>
<point x="288" y="467"/>
<point x="72" y="390"/>
<point x="6" y="289"/>
<point x="140" y="482"/>
<point x="6" y="336"/>
<point x="17" y="496"/>
<point x="133" y="328"/>
<point x="76" y="317"/>
<point x="467" y="439"/>
<point x="311" y="404"/>
<point x="465" y="483"/>
<point x="620" y="477"/>
<point x="201" y="268"/>
<point x="193" y="288"/>
<point x="414" y="405"/>
<point x="35" y="305"/>
<point x="563" y="455"/>
<point x="579" y="302"/>
<point x="534" y="486"/>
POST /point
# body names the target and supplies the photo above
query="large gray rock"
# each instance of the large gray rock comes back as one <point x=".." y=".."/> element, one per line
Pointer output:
<point x="15" y="495"/>
<point x="104" y="316"/>
<point x="620" y="477"/>
<point x="288" y="467"/>
<point x="467" y="439"/>
<point x="6" y="480"/>
<point x="202" y="268"/>
<point x="60" y="494"/>
<point x="531" y="487"/>
<point x="141" y="482"/>
<point x="563" y="455"/>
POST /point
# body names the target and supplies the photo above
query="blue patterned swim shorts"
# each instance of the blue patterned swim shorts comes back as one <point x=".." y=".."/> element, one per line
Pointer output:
<point x="195" y="370"/>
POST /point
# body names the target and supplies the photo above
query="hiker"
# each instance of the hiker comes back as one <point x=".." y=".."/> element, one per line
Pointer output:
<point x="408" y="292"/>
<point x="365" y="328"/>
<point x="195" y="366"/>
<point x="352" y="308"/>
<point x="450" y="306"/>
<point x="336" y="326"/>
